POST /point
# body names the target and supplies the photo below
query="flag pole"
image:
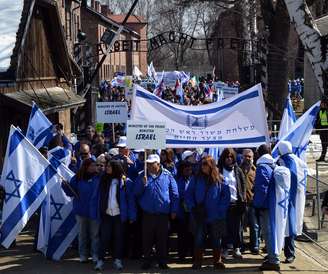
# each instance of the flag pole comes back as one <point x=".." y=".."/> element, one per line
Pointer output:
<point x="145" y="163"/>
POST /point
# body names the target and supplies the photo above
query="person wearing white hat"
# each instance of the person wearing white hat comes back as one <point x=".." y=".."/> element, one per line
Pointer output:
<point x="298" y="170"/>
<point x="158" y="197"/>
<point x="126" y="157"/>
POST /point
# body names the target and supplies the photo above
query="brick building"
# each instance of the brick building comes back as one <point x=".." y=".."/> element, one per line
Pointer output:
<point x="37" y="67"/>
<point x="95" y="19"/>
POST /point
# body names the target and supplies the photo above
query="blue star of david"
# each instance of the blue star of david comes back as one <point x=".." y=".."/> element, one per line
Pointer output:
<point x="58" y="207"/>
<point x="17" y="183"/>
<point x="303" y="181"/>
<point x="31" y="134"/>
<point x="284" y="203"/>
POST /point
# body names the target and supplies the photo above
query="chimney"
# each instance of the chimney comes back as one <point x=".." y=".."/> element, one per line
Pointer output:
<point x="97" y="6"/>
<point x="93" y="4"/>
<point x="104" y="10"/>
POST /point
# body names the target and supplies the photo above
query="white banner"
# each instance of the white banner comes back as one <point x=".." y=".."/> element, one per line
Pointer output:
<point x="146" y="135"/>
<point x="226" y="90"/>
<point x="112" y="112"/>
<point x="239" y="121"/>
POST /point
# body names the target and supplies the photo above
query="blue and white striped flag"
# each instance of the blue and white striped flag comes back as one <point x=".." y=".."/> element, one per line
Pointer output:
<point x="26" y="177"/>
<point x="278" y="208"/>
<point x="288" y="118"/>
<point x="62" y="154"/>
<point x="300" y="133"/>
<point x="58" y="227"/>
<point x="40" y="129"/>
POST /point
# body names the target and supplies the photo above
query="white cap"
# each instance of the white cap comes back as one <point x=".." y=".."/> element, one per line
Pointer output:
<point x="153" y="158"/>
<point x="113" y="151"/>
<point x="138" y="150"/>
<point x="285" y="147"/>
<point x="186" y="154"/>
<point x="122" y="142"/>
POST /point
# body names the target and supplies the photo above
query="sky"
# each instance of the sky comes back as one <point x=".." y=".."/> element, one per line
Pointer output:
<point x="10" y="14"/>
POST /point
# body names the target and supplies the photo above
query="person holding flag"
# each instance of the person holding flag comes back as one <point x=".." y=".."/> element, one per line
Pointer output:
<point x="84" y="188"/>
<point x="296" y="204"/>
<point x="157" y="194"/>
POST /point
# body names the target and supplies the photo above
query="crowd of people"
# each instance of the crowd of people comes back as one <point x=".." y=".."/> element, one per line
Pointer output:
<point x="130" y="213"/>
<point x="124" y="211"/>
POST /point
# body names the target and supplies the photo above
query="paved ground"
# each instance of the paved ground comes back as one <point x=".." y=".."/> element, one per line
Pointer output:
<point x="22" y="259"/>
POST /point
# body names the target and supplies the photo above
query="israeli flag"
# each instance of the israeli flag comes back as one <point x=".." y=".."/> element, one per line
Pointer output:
<point x="40" y="129"/>
<point x="26" y="177"/>
<point x="58" y="227"/>
<point x="278" y="208"/>
<point x="298" y="170"/>
<point x="63" y="155"/>
<point x="151" y="72"/>
<point x="300" y="133"/>
<point x="214" y="152"/>
<point x="288" y="118"/>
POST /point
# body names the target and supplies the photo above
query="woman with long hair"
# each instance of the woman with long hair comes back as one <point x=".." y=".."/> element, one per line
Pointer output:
<point x="168" y="161"/>
<point x="84" y="187"/>
<point x="114" y="211"/>
<point x="208" y="198"/>
<point x="234" y="178"/>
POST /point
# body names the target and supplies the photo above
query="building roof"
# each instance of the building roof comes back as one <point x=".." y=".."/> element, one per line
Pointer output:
<point x="10" y="14"/>
<point x="50" y="100"/>
<point x="111" y="21"/>
<point x="133" y="19"/>
<point x="14" y="25"/>
<point x="322" y="24"/>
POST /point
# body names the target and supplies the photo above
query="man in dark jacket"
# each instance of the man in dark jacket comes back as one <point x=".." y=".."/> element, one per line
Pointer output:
<point x="158" y="197"/>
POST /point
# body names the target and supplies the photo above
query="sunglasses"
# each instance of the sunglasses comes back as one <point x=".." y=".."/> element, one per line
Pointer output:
<point x="84" y="153"/>
<point x="204" y="164"/>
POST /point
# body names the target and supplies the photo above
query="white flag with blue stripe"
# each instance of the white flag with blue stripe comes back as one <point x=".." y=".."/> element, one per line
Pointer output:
<point x="288" y="118"/>
<point x="300" y="133"/>
<point x="40" y="129"/>
<point x="26" y="177"/>
<point x="58" y="227"/>
<point x="239" y="121"/>
<point x="278" y="208"/>
<point x="61" y="154"/>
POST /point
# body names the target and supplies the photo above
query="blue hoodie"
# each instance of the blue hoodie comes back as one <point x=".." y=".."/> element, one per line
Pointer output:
<point x="263" y="181"/>
<point x="87" y="203"/>
<point x="216" y="202"/>
<point x="160" y="195"/>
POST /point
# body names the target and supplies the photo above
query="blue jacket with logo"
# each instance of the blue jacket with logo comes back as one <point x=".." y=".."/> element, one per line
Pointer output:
<point x="160" y="195"/>
<point x="216" y="201"/>
<point x="87" y="203"/>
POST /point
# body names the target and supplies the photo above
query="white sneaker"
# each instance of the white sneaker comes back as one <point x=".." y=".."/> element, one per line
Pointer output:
<point x="100" y="265"/>
<point x="237" y="253"/>
<point x="118" y="264"/>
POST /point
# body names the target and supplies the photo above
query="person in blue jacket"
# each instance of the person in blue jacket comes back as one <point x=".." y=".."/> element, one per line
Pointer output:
<point x="264" y="183"/>
<point x="185" y="237"/>
<point x="114" y="212"/>
<point x="208" y="199"/>
<point x="84" y="187"/>
<point x="158" y="197"/>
